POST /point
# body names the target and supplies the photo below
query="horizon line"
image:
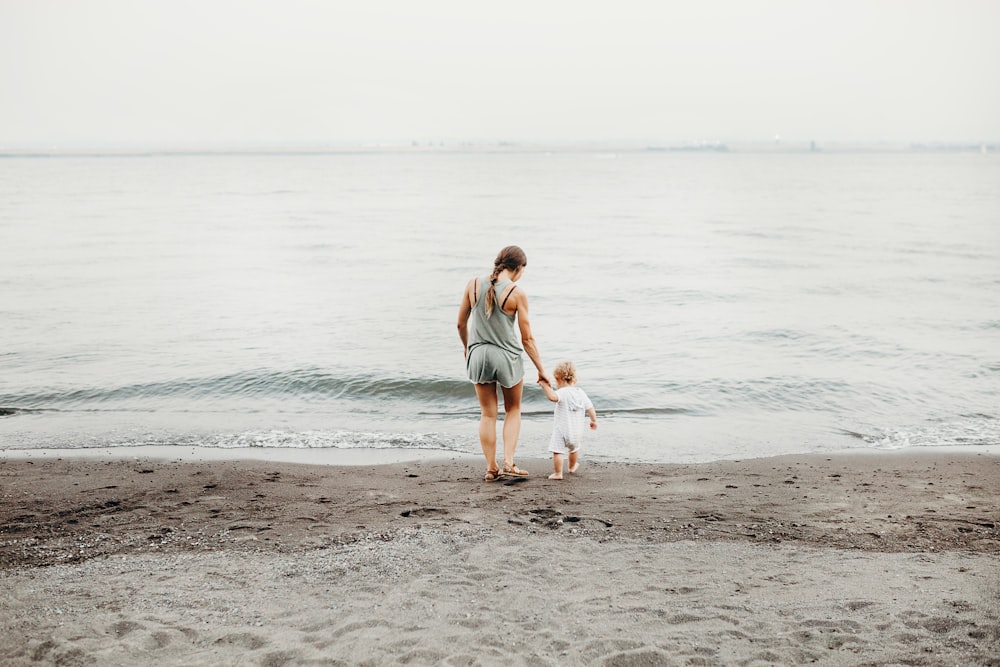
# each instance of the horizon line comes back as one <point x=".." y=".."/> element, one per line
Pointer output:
<point x="493" y="145"/>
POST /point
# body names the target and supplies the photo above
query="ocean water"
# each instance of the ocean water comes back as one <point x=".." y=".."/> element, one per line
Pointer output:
<point x="723" y="305"/>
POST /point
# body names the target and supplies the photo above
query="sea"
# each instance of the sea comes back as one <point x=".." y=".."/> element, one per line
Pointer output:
<point x="717" y="305"/>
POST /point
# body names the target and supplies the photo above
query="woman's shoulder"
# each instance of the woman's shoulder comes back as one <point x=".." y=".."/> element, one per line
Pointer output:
<point x="516" y="291"/>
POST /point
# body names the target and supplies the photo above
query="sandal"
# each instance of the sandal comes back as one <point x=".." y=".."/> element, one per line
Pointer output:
<point x="491" y="476"/>
<point x="513" y="470"/>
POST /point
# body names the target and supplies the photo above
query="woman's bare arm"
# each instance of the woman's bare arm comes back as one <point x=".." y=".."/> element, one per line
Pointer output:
<point x="520" y="300"/>
<point x="464" y="311"/>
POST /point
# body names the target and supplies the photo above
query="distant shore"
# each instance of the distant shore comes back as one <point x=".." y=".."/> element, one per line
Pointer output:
<point x="846" y="559"/>
<point x="681" y="146"/>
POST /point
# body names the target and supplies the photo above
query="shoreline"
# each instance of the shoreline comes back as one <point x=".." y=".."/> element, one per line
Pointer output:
<point x="374" y="456"/>
<point x="327" y="456"/>
<point x="868" y="558"/>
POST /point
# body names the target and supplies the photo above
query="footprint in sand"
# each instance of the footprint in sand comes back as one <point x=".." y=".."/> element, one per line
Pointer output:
<point x="547" y="517"/>
<point x="159" y="640"/>
<point x="122" y="628"/>
<point x="423" y="511"/>
<point x="855" y="605"/>
<point x="243" y="640"/>
<point x="280" y="659"/>
<point x="42" y="650"/>
<point x="640" y="657"/>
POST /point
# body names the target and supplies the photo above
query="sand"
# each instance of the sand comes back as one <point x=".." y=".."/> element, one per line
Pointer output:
<point x="850" y="559"/>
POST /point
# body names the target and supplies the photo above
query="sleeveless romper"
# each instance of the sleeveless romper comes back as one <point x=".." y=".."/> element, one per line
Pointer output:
<point x="494" y="348"/>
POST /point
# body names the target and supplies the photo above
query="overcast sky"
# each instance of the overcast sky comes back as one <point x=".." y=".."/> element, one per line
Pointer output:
<point x="298" y="72"/>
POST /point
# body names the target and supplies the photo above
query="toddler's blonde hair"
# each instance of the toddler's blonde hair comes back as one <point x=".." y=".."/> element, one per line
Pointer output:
<point x="566" y="372"/>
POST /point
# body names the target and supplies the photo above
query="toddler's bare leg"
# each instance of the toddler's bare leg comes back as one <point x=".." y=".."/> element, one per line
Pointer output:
<point x="557" y="466"/>
<point x="574" y="461"/>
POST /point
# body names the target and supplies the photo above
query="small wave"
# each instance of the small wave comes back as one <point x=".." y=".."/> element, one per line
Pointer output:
<point x="331" y="440"/>
<point x="10" y="412"/>
<point x="648" y="411"/>
<point x="778" y="393"/>
<point x="779" y="334"/>
<point x="430" y="396"/>
<point x="284" y="439"/>
<point x="302" y="383"/>
<point x="977" y="430"/>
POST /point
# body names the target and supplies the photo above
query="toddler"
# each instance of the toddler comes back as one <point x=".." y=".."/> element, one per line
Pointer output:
<point x="572" y="408"/>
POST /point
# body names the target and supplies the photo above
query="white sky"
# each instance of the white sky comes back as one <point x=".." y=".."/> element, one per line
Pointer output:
<point x="296" y="72"/>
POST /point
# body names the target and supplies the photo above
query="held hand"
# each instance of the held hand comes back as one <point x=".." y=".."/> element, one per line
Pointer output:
<point x="543" y="380"/>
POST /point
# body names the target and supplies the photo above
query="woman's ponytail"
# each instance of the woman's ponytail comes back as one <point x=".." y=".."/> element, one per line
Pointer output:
<point x="491" y="293"/>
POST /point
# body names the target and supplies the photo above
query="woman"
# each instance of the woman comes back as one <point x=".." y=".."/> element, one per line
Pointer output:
<point x="493" y="354"/>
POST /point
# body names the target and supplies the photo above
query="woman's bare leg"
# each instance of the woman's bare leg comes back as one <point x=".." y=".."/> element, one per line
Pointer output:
<point x="487" y="395"/>
<point x="511" y="421"/>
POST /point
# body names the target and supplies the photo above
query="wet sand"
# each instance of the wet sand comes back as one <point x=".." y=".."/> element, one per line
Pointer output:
<point x="850" y="559"/>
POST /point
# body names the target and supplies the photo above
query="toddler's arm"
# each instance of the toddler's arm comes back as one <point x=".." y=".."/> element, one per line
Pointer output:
<point x="593" y="418"/>
<point x="550" y="393"/>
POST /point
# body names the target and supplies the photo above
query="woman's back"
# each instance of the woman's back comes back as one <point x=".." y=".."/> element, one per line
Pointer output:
<point x="496" y="328"/>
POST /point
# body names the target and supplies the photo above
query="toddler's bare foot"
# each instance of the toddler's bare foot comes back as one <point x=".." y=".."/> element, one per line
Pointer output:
<point x="573" y="468"/>
<point x="555" y="476"/>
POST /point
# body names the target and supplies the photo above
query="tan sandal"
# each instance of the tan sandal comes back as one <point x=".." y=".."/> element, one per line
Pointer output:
<point x="514" y="471"/>
<point x="491" y="476"/>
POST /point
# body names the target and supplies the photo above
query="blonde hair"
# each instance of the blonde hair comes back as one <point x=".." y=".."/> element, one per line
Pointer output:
<point x="565" y="372"/>
<point x="511" y="258"/>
